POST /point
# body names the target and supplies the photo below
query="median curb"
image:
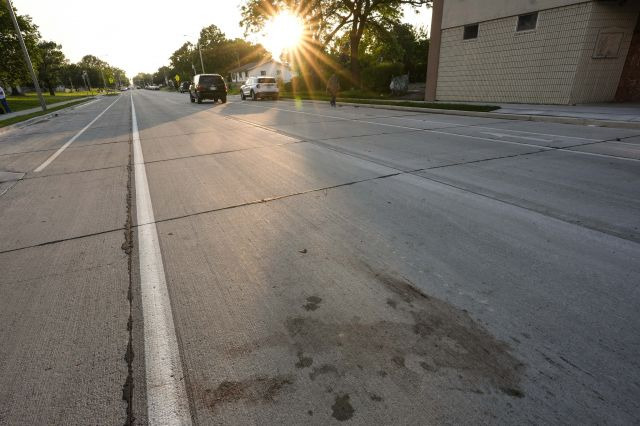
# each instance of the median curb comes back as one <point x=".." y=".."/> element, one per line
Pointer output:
<point x="496" y="115"/>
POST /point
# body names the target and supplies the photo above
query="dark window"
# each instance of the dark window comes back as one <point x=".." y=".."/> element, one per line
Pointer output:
<point x="470" y="32"/>
<point x="266" y="80"/>
<point x="210" y="79"/>
<point x="263" y="73"/>
<point x="527" y="22"/>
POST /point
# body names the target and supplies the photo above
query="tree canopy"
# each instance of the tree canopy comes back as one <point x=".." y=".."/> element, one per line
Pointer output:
<point x="331" y="21"/>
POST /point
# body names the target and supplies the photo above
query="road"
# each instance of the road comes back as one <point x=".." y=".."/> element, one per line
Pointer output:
<point x="289" y="263"/>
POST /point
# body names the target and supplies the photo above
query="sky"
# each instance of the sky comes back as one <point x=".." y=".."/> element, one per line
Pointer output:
<point x="138" y="35"/>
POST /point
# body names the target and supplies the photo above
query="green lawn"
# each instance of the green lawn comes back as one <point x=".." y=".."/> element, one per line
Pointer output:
<point x="18" y="119"/>
<point x="19" y="103"/>
<point x="370" y="98"/>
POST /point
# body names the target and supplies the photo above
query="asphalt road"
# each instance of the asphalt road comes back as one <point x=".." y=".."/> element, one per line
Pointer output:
<point x="282" y="263"/>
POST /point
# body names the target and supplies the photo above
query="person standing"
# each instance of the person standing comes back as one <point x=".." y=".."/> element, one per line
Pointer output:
<point x="3" y="101"/>
<point x="333" y="87"/>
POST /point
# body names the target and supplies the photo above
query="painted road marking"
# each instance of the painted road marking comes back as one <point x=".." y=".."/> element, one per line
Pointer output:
<point x="49" y="160"/>
<point x="506" y="135"/>
<point x="167" y="402"/>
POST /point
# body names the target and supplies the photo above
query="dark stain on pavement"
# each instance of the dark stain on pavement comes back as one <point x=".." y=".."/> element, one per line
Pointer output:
<point x="442" y="338"/>
<point x="313" y="303"/>
<point x="257" y="389"/>
<point x="342" y="409"/>
<point x="303" y="361"/>
<point x="323" y="370"/>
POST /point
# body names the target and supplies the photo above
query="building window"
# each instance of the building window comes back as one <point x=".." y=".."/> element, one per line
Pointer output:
<point x="470" y="32"/>
<point x="263" y="73"/>
<point x="278" y="72"/>
<point x="527" y="22"/>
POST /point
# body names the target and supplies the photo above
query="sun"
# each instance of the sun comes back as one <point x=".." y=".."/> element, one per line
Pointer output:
<point x="282" y="32"/>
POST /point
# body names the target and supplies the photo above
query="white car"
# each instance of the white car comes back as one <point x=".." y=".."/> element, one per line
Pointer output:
<point x="260" y="88"/>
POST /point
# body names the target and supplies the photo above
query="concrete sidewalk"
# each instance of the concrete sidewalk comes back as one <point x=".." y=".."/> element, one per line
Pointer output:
<point x="38" y="109"/>
<point x="626" y="112"/>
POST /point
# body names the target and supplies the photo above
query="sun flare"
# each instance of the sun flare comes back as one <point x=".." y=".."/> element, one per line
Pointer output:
<point x="282" y="32"/>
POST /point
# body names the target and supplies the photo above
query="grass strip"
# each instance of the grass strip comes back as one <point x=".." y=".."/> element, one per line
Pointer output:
<point x="20" y="118"/>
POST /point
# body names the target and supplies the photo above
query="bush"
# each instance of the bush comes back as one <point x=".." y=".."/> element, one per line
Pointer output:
<point x="378" y="77"/>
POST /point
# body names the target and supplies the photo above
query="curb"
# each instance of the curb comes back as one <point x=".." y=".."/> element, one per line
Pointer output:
<point x="496" y="115"/>
<point x="25" y="123"/>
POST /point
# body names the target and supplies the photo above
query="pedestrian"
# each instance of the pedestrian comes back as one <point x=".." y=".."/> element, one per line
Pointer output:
<point x="3" y="101"/>
<point x="333" y="87"/>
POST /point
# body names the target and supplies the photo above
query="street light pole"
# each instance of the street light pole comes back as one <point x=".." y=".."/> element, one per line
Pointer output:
<point x="27" y="59"/>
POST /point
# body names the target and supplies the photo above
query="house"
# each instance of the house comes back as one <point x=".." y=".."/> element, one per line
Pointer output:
<point x="267" y="66"/>
<point x="534" y="51"/>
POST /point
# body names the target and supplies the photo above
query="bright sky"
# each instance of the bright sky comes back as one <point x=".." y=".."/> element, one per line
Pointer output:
<point x="137" y="35"/>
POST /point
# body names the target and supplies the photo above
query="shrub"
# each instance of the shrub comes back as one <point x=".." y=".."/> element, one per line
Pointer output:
<point x="378" y="77"/>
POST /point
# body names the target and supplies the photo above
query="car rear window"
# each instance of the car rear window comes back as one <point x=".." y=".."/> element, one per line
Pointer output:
<point x="266" y="80"/>
<point x="210" y="79"/>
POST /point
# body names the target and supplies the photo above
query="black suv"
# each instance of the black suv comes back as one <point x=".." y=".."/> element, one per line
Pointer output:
<point x="208" y="86"/>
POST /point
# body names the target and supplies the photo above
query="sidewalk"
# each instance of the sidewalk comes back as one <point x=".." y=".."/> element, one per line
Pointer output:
<point x="624" y="112"/>
<point x="37" y="109"/>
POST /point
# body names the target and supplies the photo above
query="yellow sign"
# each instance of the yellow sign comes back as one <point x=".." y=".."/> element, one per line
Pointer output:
<point x="177" y="78"/>
<point x="111" y="80"/>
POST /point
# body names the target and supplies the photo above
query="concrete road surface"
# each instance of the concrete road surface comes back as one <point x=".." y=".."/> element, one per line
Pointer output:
<point x="264" y="262"/>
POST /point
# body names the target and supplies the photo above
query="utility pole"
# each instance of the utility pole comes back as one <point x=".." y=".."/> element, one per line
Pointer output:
<point x="201" y="62"/>
<point x="27" y="59"/>
<point x="104" y="82"/>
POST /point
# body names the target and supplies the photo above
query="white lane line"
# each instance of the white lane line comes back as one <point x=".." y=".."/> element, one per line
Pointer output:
<point x="87" y="104"/>
<point x="544" y="148"/>
<point x="167" y="402"/>
<point x="49" y="160"/>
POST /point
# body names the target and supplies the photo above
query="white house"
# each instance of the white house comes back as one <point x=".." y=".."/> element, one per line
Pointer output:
<point x="265" y="67"/>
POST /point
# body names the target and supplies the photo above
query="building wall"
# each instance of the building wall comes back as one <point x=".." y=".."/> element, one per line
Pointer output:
<point x="463" y="12"/>
<point x="503" y="65"/>
<point x="629" y="88"/>
<point x="597" y="79"/>
<point x="552" y="64"/>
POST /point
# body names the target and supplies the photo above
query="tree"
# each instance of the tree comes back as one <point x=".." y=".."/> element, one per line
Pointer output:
<point x="327" y="19"/>
<point x="51" y="64"/>
<point x="13" y="69"/>
<point x="211" y="36"/>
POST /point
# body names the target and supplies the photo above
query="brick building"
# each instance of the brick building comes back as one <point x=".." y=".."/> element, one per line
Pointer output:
<point x="534" y="51"/>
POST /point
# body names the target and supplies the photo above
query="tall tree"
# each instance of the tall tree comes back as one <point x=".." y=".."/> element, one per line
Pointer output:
<point x="327" y="19"/>
<point x="52" y="62"/>
<point x="13" y="69"/>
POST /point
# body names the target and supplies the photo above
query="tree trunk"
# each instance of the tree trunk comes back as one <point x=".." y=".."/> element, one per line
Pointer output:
<point x="52" y="91"/>
<point x="355" y="60"/>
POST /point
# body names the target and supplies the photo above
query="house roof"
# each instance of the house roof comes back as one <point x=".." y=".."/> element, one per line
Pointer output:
<point x="251" y="65"/>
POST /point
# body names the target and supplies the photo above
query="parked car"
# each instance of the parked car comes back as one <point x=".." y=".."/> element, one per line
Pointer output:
<point x="153" y="87"/>
<point x="208" y="86"/>
<point x="260" y="88"/>
<point x="184" y="86"/>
